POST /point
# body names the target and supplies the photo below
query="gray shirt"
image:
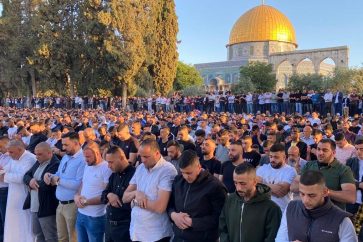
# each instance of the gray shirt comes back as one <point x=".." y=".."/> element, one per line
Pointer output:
<point x="34" y="200"/>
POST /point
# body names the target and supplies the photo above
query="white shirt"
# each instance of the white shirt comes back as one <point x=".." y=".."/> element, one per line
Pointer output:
<point x="94" y="181"/>
<point x="343" y="154"/>
<point x="346" y="231"/>
<point x="12" y="132"/>
<point x="148" y="226"/>
<point x="328" y="97"/>
<point x="4" y="160"/>
<point x="308" y="141"/>
<point x="284" y="174"/>
<point x="315" y="121"/>
<point x="249" y="98"/>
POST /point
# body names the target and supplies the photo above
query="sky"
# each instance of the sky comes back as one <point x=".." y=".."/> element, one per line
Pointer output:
<point x="205" y="25"/>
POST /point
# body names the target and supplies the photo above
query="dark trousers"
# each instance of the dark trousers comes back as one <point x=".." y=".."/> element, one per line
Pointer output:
<point x="166" y="239"/>
<point x="117" y="231"/>
<point x="3" y="199"/>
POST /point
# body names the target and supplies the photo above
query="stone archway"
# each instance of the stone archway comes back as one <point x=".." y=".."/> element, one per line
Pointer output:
<point x="305" y="66"/>
<point x="283" y="73"/>
<point x="327" y="66"/>
<point x="216" y="84"/>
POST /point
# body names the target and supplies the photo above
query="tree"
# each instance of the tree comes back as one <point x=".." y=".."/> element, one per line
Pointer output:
<point x="164" y="65"/>
<point x="260" y="74"/>
<point x="245" y="85"/>
<point x="298" y="82"/>
<point x="186" y="75"/>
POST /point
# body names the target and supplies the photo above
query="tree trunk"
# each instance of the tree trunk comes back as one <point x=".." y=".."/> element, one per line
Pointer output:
<point x="71" y="84"/>
<point x="34" y="87"/>
<point x="124" y="95"/>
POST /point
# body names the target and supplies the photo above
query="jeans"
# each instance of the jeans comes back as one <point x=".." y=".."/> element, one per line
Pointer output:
<point x="231" y="107"/>
<point x="90" y="229"/>
<point x="249" y="108"/>
<point x="3" y="199"/>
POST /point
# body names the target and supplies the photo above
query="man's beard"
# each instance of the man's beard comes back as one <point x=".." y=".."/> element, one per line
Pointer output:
<point x="234" y="158"/>
<point x="276" y="166"/>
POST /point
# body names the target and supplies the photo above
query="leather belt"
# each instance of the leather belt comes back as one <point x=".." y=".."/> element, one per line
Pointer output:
<point x="66" y="202"/>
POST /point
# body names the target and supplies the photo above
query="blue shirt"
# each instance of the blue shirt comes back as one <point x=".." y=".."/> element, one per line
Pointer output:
<point x="70" y="172"/>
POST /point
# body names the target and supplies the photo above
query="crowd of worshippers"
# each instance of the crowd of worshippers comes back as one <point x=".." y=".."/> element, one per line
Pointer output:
<point x="325" y="102"/>
<point x="115" y="176"/>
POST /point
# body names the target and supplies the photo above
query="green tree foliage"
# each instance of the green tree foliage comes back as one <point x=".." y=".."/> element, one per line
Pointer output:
<point x="79" y="47"/>
<point x="342" y="79"/>
<point x="260" y="74"/>
<point x="245" y="85"/>
<point x="186" y="75"/>
<point x="298" y="82"/>
<point x="164" y="66"/>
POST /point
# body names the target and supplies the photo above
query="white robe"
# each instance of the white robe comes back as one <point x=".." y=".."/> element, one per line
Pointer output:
<point x="18" y="227"/>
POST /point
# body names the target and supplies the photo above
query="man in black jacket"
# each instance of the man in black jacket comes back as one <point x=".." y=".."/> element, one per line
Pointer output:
<point x="118" y="214"/>
<point x="196" y="202"/>
<point x="295" y="141"/>
<point x="36" y="138"/>
<point x="41" y="199"/>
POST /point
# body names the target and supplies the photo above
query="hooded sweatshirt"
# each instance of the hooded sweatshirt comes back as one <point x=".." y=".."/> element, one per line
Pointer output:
<point x="256" y="220"/>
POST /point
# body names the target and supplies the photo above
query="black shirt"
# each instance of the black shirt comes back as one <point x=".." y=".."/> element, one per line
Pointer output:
<point x="128" y="146"/>
<point x="162" y="146"/>
<point x="227" y="172"/>
<point x="188" y="145"/>
<point x="118" y="183"/>
<point x="212" y="165"/>
<point x="252" y="157"/>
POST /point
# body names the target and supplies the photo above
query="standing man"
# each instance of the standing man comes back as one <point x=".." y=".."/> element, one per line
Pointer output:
<point x="118" y="214"/>
<point x="17" y="221"/>
<point x="314" y="217"/>
<point x="278" y="176"/>
<point x="338" y="177"/>
<point x="149" y="191"/>
<point x="249" y="215"/>
<point x="174" y="152"/>
<point x="41" y="198"/>
<point x="249" y="155"/>
<point x="68" y="180"/>
<point x="236" y="158"/>
<point x="296" y="141"/>
<point x="91" y="217"/>
<point x="126" y="142"/>
<point x="209" y="162"/>
<point x="4" y="160"/>
<point x="196" y="202"/>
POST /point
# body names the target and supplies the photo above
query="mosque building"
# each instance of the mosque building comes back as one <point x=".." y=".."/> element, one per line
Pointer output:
<point x="265" y="34"/>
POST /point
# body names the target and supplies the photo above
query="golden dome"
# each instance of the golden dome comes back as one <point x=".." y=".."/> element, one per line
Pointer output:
<point x="262" y="23"/>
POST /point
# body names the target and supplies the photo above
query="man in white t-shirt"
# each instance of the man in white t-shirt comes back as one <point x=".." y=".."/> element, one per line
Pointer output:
<point x="344" y="150"/>
<point x="90" y="224"/>
<point x="278" y="176"/>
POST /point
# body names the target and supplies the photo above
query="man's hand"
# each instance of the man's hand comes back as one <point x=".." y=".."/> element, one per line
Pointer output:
<point x="2" y="177"/>
<point x="141" y="199"/>
<point x="47" y="178"/>
<point x="33" y="184"/>
<point x="114" y="200"/>
<point x="54" y="180"/>
<point x="79" y="201"/>
<point x="181" y="220"/>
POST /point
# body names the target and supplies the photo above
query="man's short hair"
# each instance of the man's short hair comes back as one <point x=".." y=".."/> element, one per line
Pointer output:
<point x="333" y="146"/>
<point x="115" y="150"/>
<point x="173" y="143"/>
<point x="311" y="177"/>
<point x="165" y="127"/>
<point x="237" y="142"/>
<point x="122" y="127"/>
<point x="245" y="167"/>
<point x="358" y="142"/>
<point x="339" y="137"/>
<point x="247" y="137"/>
<point x="278" y="147"/>
<point x="71" y="135"/>
<point x="200" y="133"/>
<point x="317" y="132"/>
<point x="267" y="143"/>
<point x="153" y="144"/>
<point x="182" y="128"/>
<point x="187" y="158"/>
